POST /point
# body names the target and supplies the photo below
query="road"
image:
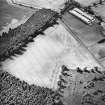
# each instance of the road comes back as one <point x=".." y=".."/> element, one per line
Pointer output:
<point x="86" y="35"/>
<point x="55" y="5"/>
<point x="21" y="5"/>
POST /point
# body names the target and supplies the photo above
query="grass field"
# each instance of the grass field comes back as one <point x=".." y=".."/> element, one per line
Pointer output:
<point x="51" y="4"/>
<point x="86" y="2"/>
<point x="100" y="10"/>
<point x="12" y="16"/>
<point x="41" y="63"/>
<point x="98" y="50"/>
<point x="89" y="34"/>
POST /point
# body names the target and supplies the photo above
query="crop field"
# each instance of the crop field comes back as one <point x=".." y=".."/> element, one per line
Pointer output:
<point x="86" y="2"/>
<point x="89" y="34"/>
<point x="12" y="16"/>
<point x="99" y="52"/>
<point x="100" y="10"/>
<point x="41" y="63"/>
<point x="50" y="4"/>
<point x="82" y="86"/>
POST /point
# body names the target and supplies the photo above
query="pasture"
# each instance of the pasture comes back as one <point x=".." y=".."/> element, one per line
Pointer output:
<point x="42" y="61"/>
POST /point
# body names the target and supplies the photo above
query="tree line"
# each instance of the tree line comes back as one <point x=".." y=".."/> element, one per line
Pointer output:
<point x="13" y="91"/>
<point x="15" y="40"/>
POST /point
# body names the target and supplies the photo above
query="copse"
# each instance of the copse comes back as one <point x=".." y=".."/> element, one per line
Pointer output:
<point x="13" y="91"/>
<point x="80" y="82"/>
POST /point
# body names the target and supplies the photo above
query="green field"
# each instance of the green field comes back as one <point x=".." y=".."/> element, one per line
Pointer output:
<point x="100" y="10"/>
<point x="86" y="2"/>
<point x="89" y="34"/>
<point x="40" y="64"/>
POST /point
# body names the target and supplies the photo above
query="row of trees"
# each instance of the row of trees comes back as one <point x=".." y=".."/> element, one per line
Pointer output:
<point x="15" y="40"/>
<point x="87" y="82"/>
<point x="62" y="83"/>
<point x="72" y="3"/>
<point x="69" y="4"/>
<point x="90" y="11"/>
<point x="93" y="82"/>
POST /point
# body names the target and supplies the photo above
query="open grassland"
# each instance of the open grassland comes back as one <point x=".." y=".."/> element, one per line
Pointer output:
<point x="99" y="51"/>
<point x="82" y="86"/>
<point x="12" y="16"/>
<point x="16" y="92"/>
<point x="50" y="4"/>
<point x="100" y="10"/>
<point x="40" y="64"/>
<point x="86" y="2"/>
<point x="89" y="34"/>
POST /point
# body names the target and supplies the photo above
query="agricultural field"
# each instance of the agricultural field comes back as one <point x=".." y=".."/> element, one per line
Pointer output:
<point x="12" y="16"/>
<point x="38" y="65"/>
<point x="88" y="34"/>
<point x="41" y="62"/>
<point x="99" y="52"/>
<point x="49" y="4"/>
<point x="86" y="2"/>
<point x="21" y="93"/>
<point x="100" y="10"/>
<point x="82" y="86"/>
